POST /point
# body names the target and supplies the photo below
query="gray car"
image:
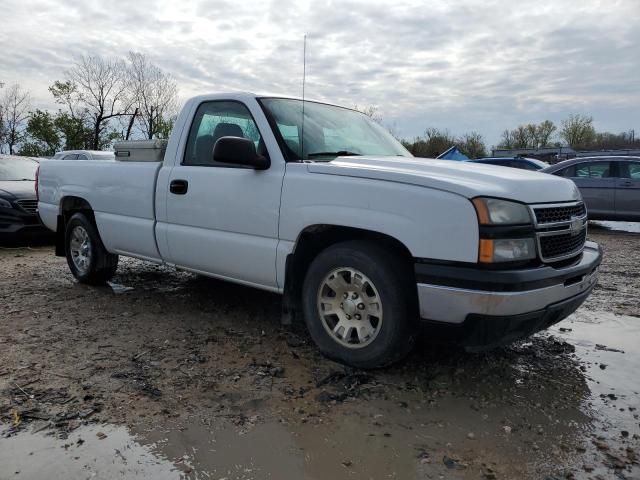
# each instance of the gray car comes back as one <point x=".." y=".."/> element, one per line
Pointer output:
<point x="610" y="186"/>
<point x="84" y="155"/>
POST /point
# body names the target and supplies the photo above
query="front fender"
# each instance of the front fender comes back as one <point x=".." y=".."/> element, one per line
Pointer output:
<point x="431" y="223"/>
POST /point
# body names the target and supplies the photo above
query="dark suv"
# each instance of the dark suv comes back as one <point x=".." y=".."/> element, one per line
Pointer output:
<point x="18" y="202"/>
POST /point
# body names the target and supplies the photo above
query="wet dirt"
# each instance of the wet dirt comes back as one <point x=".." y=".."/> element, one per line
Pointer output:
<point x="164" y="374"/>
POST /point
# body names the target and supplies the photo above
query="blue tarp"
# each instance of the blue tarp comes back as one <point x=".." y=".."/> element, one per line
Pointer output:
<point x="452" y="154"/>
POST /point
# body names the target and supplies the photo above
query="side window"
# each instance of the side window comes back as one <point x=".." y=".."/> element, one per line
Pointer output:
<point x="82" y="156"/>
<point x="214" y="120"/>
<point x="593" y="170"/>
<point x="567" y="172"/>
<point x="71" y="156"/>
<point x="629" y="170"/>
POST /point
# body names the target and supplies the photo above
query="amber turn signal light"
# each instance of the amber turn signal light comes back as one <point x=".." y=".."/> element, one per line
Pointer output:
<point x="486" y="251"/>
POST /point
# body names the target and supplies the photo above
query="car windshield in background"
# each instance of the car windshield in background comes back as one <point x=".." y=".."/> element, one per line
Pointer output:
<point x="328" y="131"/>
<point x="539" y="163"/>
<point x="17" y="169"/>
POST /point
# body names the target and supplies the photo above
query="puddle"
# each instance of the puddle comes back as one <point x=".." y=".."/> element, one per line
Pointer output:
<point x="197" y="451"/>
<point x="608" y="347"/>
<point x="82" y="455"/>
<point x="630" y="227"/>
<point x="596" y="336"/>
<point x="266" y="451"/>
<point x="118" y="289"/>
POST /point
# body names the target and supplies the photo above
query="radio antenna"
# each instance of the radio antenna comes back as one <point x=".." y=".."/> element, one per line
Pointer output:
<point x="304" y="77"/>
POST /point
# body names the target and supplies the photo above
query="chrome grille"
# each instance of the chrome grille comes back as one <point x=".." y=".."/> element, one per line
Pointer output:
<point x="29" y="206"/>
<point x="563" y="245"/>
<point x="561" y="230"/>
<point x="557" y="214"/>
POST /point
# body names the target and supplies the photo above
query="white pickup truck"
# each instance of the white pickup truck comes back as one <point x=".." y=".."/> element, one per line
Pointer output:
<point x="321" y="204"/>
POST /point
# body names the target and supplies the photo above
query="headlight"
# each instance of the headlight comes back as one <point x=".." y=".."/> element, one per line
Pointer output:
<point x="493" y="211"/>
<point x="506" y="250"/>
<point x="5" y="204"/>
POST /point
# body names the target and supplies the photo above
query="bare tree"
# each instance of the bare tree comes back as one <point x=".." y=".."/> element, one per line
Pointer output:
<point x="472" y="145"/>
<point x="14" y="106"/>
<point x="371" y="111"/>
<point x="544" y="133"/>
<point x="98" y="86"/>
<point x="578" y="131"/>
<point x="154" y="94"/>
<point x="2" y="128"/>
<point x="529" y="135"/>
<point x="506" y="140"/>
<point x="436" y="141"/>
<point x="522" y="137"/>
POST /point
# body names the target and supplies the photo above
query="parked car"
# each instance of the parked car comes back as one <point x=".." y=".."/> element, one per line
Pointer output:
<point x="358" y="236"/>
<point x="84" y="155"/>
<point x="610" y="186"/>
<point x="18" y="203"/>
<point x="513" y="162"/>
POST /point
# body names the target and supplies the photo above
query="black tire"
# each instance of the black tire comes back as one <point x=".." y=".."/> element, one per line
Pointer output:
<point x="100" y="265"/>
<point x="393" y="281"/>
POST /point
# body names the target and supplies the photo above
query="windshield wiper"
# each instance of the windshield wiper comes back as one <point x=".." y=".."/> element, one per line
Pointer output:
<point x="341" y="153"/>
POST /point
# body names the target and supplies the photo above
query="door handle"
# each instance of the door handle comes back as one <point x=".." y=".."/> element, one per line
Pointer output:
<point x="627" y="184"/>
<point x="178" y="187"/>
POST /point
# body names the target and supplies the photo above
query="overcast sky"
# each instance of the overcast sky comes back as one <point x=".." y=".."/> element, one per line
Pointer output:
<point x="462" y="65"/>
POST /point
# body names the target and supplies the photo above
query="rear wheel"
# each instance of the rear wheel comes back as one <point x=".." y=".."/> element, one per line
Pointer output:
<point x="87" y="258"/>
<point x="360" y="304"/>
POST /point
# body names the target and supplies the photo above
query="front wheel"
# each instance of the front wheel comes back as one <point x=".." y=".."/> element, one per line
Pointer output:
<point x="87" y="258"/>
<point x="360" y="304"/>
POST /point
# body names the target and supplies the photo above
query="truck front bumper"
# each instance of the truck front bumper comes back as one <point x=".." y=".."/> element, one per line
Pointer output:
<point x="493" y="307"/>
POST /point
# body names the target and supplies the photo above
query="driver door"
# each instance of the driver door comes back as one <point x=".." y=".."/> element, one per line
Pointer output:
<point x="222" y="219"/>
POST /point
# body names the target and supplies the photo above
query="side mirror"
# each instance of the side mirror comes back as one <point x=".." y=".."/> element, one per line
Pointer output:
<point x="239" y="151"/>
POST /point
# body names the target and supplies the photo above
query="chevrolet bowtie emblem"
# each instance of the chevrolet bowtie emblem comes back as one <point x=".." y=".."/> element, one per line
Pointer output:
<point x="576" y="225"/>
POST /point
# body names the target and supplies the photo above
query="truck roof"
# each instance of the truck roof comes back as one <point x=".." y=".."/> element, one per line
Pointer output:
<point x="241" y="95"/>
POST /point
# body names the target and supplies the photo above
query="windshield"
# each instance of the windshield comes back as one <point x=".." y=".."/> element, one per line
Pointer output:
<point x="17" y="169"/>
<point x="329" y="131"/>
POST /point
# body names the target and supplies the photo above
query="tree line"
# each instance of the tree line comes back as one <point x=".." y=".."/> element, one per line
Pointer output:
<point x="576" y="131"/>
<point x="100" y="100"/>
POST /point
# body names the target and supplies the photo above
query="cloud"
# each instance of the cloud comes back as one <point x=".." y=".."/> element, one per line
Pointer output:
<point x="481" y="65"/>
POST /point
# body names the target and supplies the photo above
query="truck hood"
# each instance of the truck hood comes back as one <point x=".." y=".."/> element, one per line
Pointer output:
<point x="18" y="189"/>
<point x="463" y="178"/>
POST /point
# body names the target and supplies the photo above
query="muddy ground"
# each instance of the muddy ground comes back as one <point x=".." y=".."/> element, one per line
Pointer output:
<point x="170" y="375"/>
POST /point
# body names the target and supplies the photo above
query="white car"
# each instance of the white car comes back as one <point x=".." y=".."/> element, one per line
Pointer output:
<point x="84" y="155"/>
<point x="328" y="209"/>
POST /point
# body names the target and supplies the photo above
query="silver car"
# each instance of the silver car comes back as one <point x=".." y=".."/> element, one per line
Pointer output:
<point x="84" y="155"/>
<point x="610" y="186"/>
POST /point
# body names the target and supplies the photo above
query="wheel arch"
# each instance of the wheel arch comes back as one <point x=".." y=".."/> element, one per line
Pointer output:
<point x="70" y="205"/>
<point x="312" y="240"/>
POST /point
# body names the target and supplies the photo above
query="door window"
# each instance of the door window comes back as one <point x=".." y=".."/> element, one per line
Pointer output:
<point x="593" y="170"/>
<point x="82" y="156"/>
<point x="630" y="170"/>
<point x="71" y="156"/>
<point x="567" y="172"/>
<point x="214" y="120"/>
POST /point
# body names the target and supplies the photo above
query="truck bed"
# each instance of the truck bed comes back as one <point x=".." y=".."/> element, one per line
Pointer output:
<point x="121" y="194"/>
